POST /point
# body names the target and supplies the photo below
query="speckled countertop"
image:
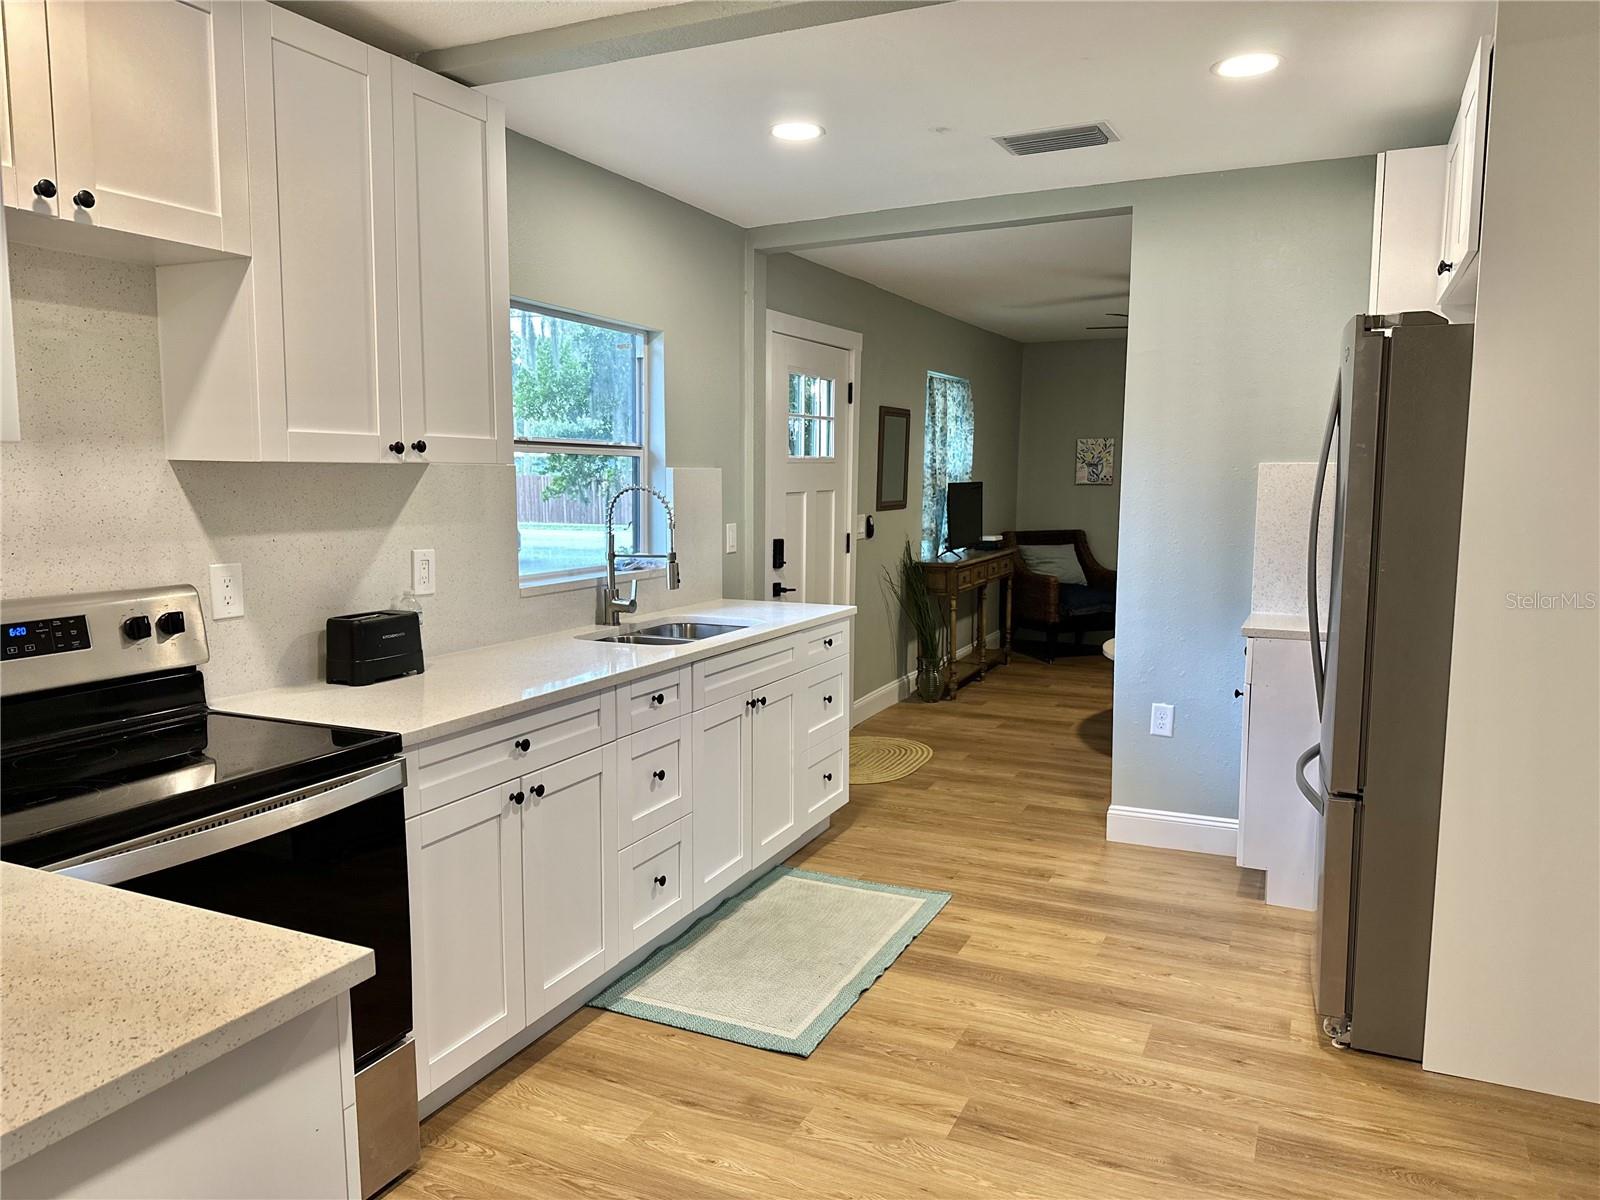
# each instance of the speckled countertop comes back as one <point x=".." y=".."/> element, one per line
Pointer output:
<point x="1278" y="625"/>
<point x="107" y="995"/>
<point x="472" y="687"/>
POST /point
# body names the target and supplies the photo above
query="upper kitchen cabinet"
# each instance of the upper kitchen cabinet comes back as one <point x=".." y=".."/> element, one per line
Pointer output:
<point x="1457" y="283"/>
<point x="126" y="129"/>
<point x="454" y="289"/>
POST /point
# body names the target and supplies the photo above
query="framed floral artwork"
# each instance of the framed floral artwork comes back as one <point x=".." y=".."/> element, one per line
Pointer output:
<point x="1096" y="460"/>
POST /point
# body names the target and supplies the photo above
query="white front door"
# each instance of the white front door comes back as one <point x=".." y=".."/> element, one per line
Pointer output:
<point x="810" y="461"/>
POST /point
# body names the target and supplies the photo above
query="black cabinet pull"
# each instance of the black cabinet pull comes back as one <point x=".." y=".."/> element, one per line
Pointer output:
<point x="420" y="446"/>
<point x="45" y="189"/>
<point x="397" y="447"/>
<point x="84" y="198"/>
<point x="827" y="699"/>
<point x="522" y="744"/>
<point x="661" y="881"/>
<point x="659" y="776"/>
<point x="518" y="797"/>
<point x="538" y="789"/>
<point x="827" y="777"/>
<point x="828" y="642"/>
<point x="1237" y="693"/>
<point x="1445" y="267"/>
<point x="658" y="698"/>
<point x="762" y="701"/>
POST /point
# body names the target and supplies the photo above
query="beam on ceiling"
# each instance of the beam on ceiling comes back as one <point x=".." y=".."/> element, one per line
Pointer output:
<point x="641" y="34"/>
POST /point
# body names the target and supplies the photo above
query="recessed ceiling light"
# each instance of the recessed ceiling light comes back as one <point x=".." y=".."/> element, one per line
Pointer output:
<point x="797" y="131"/>
<point x="1242" y="66"/>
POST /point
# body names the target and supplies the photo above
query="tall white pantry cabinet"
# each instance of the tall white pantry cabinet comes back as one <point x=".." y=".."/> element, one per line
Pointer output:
<point x="328" y="222"/>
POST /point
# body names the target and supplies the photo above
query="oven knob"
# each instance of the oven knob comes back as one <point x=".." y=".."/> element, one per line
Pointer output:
<point x="136" y="629"/>
<point x="170" y="623"/>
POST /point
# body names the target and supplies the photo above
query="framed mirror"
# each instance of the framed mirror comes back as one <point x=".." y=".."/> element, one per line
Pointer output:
<point x="894" y="456"/>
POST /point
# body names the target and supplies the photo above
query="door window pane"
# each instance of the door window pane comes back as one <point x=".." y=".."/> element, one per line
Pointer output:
<point x="810" y="437"/>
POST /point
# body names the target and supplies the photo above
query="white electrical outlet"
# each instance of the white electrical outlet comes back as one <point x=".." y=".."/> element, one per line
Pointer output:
<point x="227" y="591"/>
<point x="424" y="573"/>
<point x="730" y="538"/>
<point x="1161" y="720"/>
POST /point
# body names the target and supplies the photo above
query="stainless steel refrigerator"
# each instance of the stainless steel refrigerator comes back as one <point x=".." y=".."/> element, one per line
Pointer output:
<point x="1399" y="422"/>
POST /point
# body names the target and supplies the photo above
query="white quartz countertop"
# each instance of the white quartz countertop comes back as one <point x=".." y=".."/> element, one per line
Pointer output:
<point x="473" y="687"/>
<point x="1278" y="625"/>
<point x="107" y="995"/>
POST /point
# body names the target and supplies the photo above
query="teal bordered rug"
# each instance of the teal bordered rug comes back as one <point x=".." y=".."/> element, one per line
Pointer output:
<point x="778" y="964"/>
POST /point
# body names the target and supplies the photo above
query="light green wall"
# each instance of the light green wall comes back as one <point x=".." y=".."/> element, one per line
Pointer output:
<point x="901" y="343"/>
<point x="596" y="243"/>
<point x="1070" y="390"/>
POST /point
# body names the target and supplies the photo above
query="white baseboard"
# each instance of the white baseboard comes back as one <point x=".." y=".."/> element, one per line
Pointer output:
<point x="1172" y="830"/>
<point x="896" y="690"/>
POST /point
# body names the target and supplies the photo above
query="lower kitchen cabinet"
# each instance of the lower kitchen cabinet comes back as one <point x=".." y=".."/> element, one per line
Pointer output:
<point x="569" y="876"/>
<point x="466" y="927"/>
<point x="721" y="796"/>
<point x="656" y="888"/>
<point x="776" y="735"/>
<point x="824" y="779"/>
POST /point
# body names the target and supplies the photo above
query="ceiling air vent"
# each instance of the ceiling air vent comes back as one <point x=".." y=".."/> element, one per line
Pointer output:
<point x="1048" y="141"/>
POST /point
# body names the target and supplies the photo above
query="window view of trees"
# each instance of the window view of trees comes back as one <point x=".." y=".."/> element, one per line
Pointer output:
<point x="573" y="382"/>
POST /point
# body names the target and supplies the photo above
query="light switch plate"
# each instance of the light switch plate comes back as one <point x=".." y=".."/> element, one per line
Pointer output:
<point x="730" y="538"/>
<point x="1161" y="720"/>
<point x="227" y="591"/>
<point x="424" y="573"/>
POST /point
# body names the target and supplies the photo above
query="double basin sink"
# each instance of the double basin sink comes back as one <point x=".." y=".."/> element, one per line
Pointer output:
<point x="672" y="633"/>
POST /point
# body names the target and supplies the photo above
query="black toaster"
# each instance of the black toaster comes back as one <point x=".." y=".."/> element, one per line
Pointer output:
<point x="370" y="647"/>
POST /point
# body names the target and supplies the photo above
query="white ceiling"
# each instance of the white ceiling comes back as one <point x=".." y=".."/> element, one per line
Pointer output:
<point x="911" y="99"/>
<point x="1031" y="283"/>
<point x="408" y="27"/>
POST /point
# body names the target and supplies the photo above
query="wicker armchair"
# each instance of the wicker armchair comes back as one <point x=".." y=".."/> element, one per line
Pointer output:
<point x="1043" y="602"/>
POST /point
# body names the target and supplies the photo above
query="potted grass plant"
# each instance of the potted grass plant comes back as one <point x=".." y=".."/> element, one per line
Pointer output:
<point x="908" y="585"/>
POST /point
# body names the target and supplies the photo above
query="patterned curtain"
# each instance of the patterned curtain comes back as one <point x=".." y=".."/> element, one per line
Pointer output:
<point x="947" y="452"/>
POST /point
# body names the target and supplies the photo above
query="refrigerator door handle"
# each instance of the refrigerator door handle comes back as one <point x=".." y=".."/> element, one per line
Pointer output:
<point x="1317" y="665"/>
<point x="1314" y="795"/>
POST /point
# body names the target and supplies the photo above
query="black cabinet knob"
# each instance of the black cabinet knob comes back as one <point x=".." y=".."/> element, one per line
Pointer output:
<point x="762" y="701"/>
<point x="828" y="642"/>
<point x="658" y="698"/>
<point x="420" y="446"/>
<point x="45" y="189"/>
<point x="1445" y="267"/>
<point x="827" y="699"/>
<point x="827" y="777"/>
<point x="518" y="797"/>
<point x="538" y="789"/>
<point x="1237" y="693"/>
<point x="522" y="744"/>
<point x="136" y="629"/>
<point x="84" y="198"/>
<point x="661" y="881"/>
<point x="397" y="447"/>
<point x="658" y="776"/>
<point x="170" y="623"/>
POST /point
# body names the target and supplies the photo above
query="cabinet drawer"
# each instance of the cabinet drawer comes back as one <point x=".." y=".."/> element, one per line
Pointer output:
<point x="735" y="673"/>
<point x="655" y="785"/>
<point x="653" y="700"/>
<point x="830" y="641"/>
<point x="457" y="766"/>
<point x="824" y="701"/>
<point x="825" y="778"/>
<point x="655" y="884"/>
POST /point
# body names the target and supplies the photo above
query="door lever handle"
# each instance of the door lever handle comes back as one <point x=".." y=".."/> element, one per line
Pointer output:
<point x="779" y="591"/>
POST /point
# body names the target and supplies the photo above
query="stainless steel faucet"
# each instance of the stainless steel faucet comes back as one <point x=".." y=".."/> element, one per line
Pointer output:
<point x="612" y="605"/>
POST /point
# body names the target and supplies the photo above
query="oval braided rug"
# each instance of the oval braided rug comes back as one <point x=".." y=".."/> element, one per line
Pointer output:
<point x="885" y="759"/>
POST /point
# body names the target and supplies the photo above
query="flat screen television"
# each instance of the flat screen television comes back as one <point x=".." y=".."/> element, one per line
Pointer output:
<point x="963" y="515"/>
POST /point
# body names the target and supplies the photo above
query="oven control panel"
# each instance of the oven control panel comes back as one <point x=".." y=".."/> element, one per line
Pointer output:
<point x="88" y="637"/>
<point x="48" y="635"/>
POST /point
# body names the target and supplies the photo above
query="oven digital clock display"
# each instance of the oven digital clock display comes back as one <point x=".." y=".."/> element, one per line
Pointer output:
<point x="50" y="635"/>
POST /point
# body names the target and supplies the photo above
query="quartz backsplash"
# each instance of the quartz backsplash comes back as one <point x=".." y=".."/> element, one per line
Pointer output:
<point x="1283" y="516"/>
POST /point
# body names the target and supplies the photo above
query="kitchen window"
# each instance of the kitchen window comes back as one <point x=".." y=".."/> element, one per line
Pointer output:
<point x="579" y="411"/>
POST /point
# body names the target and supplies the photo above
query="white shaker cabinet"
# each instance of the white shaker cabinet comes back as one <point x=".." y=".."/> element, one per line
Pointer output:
<point x="569" y="882"/>
<point x="128" y="119"/>
<point x="721" y="796"/>
<point x="466" y="930"/>
<point x="453" y="273"/>
<point x="777" y="736"/>
<point x="1457" y="280"/>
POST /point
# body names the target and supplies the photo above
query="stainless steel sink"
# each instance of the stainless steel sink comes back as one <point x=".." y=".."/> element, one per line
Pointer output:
<point x="685" y="631"/>
<point x="642" y="639"/>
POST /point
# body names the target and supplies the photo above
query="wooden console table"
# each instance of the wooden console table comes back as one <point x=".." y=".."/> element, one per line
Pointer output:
<point x="973" y="571"/>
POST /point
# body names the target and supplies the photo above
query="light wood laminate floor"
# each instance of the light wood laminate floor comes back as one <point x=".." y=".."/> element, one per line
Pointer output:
<point x="1082" y="1019"/>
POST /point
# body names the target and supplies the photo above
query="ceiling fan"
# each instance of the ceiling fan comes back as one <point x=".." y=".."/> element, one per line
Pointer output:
<point x="1124" y="316"/>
